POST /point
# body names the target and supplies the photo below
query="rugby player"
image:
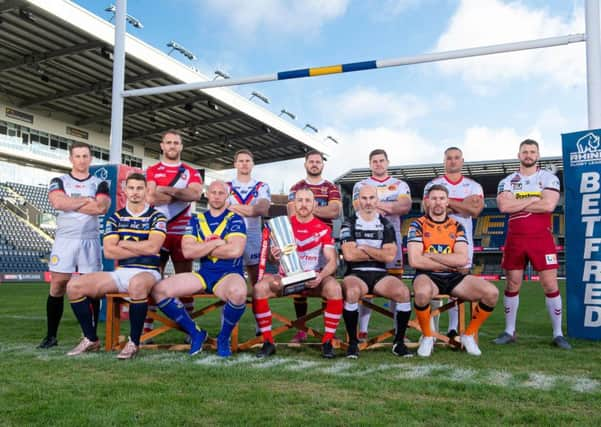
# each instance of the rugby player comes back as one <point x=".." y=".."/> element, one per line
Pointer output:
<point x="530" y="196"/>
<point x="80" y="198"/>
<point x="250" y="199"/>
<point x="317" y="252"/>
<point x="133" y="236"/>
<point x="369" y="244"/>
<point x="172" y="187"/>
<point x="438" y="249"/>
<point x="217" y="237"/>
<point x="329" y="207"/>
<point x="394" y="200"/>
<point x="466" y="201"/>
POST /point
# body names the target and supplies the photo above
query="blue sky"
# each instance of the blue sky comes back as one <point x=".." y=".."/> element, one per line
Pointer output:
<point x="484" y="105"/>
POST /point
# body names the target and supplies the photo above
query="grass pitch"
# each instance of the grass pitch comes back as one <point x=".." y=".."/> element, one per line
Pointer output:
<point x="529" y="382"/>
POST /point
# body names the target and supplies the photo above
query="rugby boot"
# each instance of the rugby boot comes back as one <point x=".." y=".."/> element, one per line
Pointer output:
<point x="267" y="350"/>
<point x="561" y="342"/>
<point x="362" y="336"/>
<point x="223" y="347"/>
<point x="327" y="350"/>
<point x="300" y="337"/>
<point x="48" y="342"/>
<point x="197" y="341"/>
<point x="469" y="344"/>
<point x="504" y="338"/>
<point x="400" y="349"/>
<point x="426" y="346"/>
<point x="84" y="346"/>
<point x="129" y="351"/>
<point x="352" y="352"/>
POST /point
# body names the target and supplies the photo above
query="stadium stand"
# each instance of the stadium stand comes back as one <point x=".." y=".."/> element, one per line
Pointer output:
<point x="23" y="249"/>
<point x="36" y="195"/>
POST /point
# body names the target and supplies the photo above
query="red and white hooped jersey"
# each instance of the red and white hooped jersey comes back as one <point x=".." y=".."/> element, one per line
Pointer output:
<point x="522" y="186"/>
<point x="311" y="238"/>
<point x="177" y="176"/>
<point x="459" y="190"/>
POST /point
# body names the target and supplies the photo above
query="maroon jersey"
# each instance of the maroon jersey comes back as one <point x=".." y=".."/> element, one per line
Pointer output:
<point x="324" y="192"/>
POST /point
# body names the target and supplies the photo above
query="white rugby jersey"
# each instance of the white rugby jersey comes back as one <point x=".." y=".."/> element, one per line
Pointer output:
<point x="72" y="224"/>
<point x="459" y="190"/>
<point x="248" y="193"/>
<point x="389" y="190"/>
<point x="523" y="186"/>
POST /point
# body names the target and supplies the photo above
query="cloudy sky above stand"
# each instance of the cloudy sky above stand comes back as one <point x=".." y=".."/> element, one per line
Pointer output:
<point x="485" y="105"/>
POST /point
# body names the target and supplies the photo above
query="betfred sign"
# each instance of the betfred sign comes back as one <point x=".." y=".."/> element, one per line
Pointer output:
<point x="582" y="183"/>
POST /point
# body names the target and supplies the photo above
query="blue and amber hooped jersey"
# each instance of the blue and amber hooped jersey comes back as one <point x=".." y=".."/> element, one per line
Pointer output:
<point x="204" y="227"/>
<point x="137" y="227"/>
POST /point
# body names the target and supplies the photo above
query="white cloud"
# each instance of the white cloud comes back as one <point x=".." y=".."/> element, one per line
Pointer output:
<point x="285" y="17"/>
<point x="390" y="9"/>
<point x="375" y="107"/>
<point x="487" y="22"/>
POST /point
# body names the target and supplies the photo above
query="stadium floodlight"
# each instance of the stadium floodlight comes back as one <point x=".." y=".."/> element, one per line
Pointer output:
<point x="283" y="111"/>
<point x="222" y="74"/>
<point x="176" y="46"/>
<point x="331" y="138"/>
<point x="259" y="95"/>
<point x="135" y="22"/>
<point x="310" y="126"/>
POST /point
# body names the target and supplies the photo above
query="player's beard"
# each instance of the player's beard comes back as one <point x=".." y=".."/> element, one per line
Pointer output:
<point x="528" y="163"/>
<point x="172" y="156"/>
<point x="313" y="174"/>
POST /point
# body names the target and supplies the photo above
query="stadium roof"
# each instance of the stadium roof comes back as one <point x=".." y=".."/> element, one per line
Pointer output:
<point x="57" y="57"/>
<point x="485" y="172"/>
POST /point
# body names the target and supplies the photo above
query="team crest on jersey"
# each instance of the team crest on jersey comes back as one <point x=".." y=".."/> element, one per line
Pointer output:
<point x="392" y="187"/>
<point x="438" y="249"/>
<point x="54" y="259"/>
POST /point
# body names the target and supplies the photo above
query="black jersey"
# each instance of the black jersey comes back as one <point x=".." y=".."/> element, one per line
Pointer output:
<point x="375" y="234"/>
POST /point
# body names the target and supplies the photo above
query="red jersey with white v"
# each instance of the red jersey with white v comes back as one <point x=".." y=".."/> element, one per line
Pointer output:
<point x="311" y="238"/>
<point x="176" y="176"/>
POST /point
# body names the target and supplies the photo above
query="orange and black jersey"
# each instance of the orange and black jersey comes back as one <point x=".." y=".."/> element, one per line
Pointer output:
<point x="436" y="237"/>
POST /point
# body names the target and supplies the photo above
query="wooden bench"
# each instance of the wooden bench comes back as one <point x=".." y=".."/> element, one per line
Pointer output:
<point x="115" y="301"/>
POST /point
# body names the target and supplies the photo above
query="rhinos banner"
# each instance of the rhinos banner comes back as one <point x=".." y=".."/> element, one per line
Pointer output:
<point x="582" y="182"/>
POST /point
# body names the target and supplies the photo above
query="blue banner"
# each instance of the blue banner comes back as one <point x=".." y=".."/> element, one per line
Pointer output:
<point x="582" y="183"/>
<point x="108" y="173"/>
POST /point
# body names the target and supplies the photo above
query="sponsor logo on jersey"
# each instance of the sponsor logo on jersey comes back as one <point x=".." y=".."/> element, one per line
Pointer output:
<point x="551" y="259"/>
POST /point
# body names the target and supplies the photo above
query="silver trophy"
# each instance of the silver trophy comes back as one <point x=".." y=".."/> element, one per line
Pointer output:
<point x="282" y="236"/>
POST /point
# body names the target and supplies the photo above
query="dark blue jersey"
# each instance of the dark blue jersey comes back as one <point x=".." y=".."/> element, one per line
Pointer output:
<point x="204" y="227"/>
<point x="137" y="228"/>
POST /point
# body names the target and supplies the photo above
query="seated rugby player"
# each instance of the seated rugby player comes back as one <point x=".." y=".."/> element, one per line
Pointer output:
<point x="217" y="237"/>
<point x="368" y="244"/>
<point x="133" y="236"/>
<point x="316" y="251"/>
<point x="438" y="250"/>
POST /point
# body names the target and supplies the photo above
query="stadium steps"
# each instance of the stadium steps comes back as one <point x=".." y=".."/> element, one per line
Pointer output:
<point x="36" y="195"/>
<point x="22" y="234"/>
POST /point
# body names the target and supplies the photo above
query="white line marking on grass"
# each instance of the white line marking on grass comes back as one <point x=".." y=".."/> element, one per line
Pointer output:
<point x="271" y="362"/>
<point x="498" y="378"/>
<point x="210" y="360"/>
<point x="462" y="375"/>
<point x="301" y="365"/>
<point x="540" y="381"/>
<point x="420" y="371"/>
<point x="369" y="371"/>
<point x="585" y="385"/>
<point x="336" y="368"/>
